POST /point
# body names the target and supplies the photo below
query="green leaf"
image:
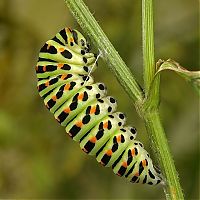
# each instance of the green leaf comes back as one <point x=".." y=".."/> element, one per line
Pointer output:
<point x="193" y="77"/>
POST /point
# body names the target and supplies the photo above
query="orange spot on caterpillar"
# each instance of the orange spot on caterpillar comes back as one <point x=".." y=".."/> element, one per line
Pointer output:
<point x="44" y="68"/>
<point x="124" y="164"/>
<point x="133" y="152"/>
<point x="144" y="163"/>
<point x="80" y="96"/>
<point x="93" y="139"/>
<point x="67" y="110"/>
<point x="63" y="76"/>
<point x="105" y="125"/>
<point x="93" y="110"/>
<point x="47" y="83"/>
<point x="109" y="152"/>
<point x="136" y="174"/>
<point x="67" y="86"/>
<point x="118" y="138"/>
<point x="60" y="65"/>
<point x="36" y="67"/>
<point x="79" y="124"/>
<point x="71" y="39"/>
<point x="61" y="49"/>
<point x="54" y="98"/>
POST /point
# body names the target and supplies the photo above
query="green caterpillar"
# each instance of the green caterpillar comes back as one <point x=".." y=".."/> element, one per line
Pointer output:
<point x="88" y="115"/>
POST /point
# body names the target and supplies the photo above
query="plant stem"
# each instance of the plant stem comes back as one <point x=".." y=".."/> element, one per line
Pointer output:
<point x="162" y="153"/>
<point x="150" y="107"/>
<point x="148" y="55"/>
<point x="117" y="65"/>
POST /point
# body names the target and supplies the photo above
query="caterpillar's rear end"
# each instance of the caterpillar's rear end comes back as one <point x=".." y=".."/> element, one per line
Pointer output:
<point x="88" y="115"/>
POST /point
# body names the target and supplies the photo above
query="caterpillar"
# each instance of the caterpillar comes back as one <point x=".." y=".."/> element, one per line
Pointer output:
<point x="84" y="109"/>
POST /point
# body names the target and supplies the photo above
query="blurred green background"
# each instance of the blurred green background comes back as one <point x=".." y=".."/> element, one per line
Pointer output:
<point x="36" y="159"/>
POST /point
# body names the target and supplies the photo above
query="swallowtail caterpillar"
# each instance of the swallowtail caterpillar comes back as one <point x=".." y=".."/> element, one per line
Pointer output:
<point x="87" y="114"/>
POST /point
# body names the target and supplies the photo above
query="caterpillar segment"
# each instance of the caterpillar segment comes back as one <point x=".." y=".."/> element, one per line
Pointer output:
<point x="82" y="99"/>
<point x="101" y="133"/>
<point x="88" y="115"/>
<point x="116" y="144"/>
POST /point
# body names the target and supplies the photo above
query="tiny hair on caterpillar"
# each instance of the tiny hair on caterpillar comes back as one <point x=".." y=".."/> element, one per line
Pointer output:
<point x="88" y="115"/>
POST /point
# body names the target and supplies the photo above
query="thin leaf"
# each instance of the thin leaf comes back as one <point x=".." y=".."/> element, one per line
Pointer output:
<point x="192" y="77"/>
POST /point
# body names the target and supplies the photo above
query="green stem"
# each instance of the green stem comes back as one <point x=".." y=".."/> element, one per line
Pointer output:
<point x="148" y="55"/>
<point x="117" y="65"/>
<point x="150" y="108"/>
<point x="162" y="153"/>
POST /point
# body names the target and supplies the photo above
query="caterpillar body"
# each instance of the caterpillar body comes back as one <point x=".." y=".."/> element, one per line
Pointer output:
<point x="88" y="115"/>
